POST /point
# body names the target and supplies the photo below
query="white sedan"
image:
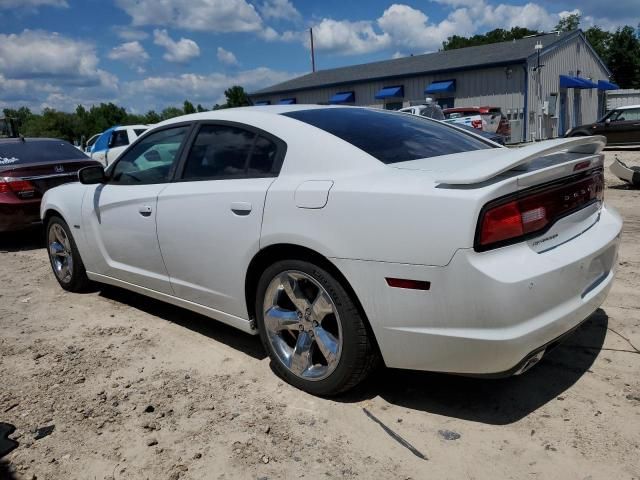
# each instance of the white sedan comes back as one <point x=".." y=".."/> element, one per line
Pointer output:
<point x="347" y="235"/>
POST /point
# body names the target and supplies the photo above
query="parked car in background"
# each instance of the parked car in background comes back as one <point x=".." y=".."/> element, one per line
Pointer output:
<point x="345" y="234"/>
<point x="621" y="126"/>
<point x="28" y="168"/>
<point x="91" y="142"/>
<point x="431" y="110"/>
<point x="112" y="142"/>
<point x="487" y="119"/>
<point x="435" y="112"/>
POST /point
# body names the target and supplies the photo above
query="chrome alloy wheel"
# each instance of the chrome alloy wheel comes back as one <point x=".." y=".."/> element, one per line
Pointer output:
<point x="60" y="253"/>
<point x="302" y="325"/>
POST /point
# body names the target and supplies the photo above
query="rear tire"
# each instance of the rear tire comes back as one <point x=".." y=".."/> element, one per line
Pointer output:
<point x="64" y="257"/>
<point x="312" y="329"/>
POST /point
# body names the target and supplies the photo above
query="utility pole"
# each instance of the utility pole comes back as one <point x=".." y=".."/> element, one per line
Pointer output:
<point x="313" y="54"/>
<point x="538" y="70"/>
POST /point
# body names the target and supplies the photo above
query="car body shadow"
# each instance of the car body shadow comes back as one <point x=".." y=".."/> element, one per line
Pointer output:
<point x="6" y="472"/>
<point x="494" y="402"/>
<point x="31" y="238"/>
<point x="218" y="331"/>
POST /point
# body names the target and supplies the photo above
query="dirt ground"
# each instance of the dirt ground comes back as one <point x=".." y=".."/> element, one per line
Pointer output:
<point x="138" y="389"/>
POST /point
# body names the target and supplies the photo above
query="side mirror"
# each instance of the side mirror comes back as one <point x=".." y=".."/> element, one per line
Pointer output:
<point x="92" y="175"/>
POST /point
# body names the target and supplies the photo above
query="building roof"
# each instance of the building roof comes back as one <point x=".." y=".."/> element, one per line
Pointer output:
<point x="448" y="60"/>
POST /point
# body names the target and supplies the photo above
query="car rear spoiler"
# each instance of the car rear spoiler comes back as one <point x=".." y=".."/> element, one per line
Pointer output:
<point x="505" y="159"/>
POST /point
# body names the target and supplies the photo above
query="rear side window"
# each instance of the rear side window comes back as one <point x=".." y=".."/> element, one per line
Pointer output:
<point x="17" y="152"/>
<point x="388" y="136"/>
<point x="224" y="151"/>
<point x="219" y="151"/>
<point x="263" y="157"/>
<point x="119" y="138"/>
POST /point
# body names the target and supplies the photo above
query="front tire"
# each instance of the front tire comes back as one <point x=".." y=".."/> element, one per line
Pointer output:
<point x="312" y="329"/>
<point x="64" y="257"/>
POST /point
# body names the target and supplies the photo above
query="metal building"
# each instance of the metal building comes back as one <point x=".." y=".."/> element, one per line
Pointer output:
<point x="544" y="84"/>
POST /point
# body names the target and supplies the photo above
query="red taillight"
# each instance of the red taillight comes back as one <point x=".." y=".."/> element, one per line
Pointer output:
<point x="22" y="188"/>
<point x="519" y="216"/>
<point x="476" y="124"/>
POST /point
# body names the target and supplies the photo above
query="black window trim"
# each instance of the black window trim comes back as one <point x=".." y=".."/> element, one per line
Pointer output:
<point x="171" y="177"/>
<point x="281" y="151"/>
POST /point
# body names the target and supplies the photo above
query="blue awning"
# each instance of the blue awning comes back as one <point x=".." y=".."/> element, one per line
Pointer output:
<point x="287" y="101"/>
<point x="263" y="102"/>
<point x="604" y="85"/>
<point x="391" y="92"/>
<point x="441" y="87"/>
<point x="576" y="82"/>
<point x="343" y="97"/>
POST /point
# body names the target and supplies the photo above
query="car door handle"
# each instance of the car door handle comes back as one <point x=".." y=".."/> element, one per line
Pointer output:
<point x="241" y="208"/>
<point x="145" y="210"/>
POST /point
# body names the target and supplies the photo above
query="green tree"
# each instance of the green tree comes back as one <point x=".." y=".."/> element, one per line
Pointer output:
<point x="188" y="107"/>
<point x="200" y="108"/>
<point x="171" y="112"/>
<point x="152" y="117"/>
<point x="493" y="36"/>
<point x="624" y="57"/>
<point x="599" y="40"/>
<point x="569" y="23"/>
<point x="236" y="97"/>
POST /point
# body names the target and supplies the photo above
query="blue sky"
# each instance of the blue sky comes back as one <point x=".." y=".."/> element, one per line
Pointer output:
<point x="149" y="54"/>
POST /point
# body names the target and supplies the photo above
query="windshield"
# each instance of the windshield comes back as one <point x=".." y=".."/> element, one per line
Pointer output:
<point x="38" y="151"/>
<point x="389" y="136"/>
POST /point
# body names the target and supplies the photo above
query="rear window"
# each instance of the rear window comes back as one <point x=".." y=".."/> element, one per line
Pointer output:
<point x="388" y="136"/>
<point x="38" y="151"/>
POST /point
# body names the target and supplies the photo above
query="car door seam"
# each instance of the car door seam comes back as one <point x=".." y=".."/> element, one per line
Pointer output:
<point x="166" y="269"/>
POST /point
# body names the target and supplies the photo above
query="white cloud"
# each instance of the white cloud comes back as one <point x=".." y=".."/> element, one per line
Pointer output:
<point x="45" y="55"/>
<point x="202" y="15"/>
<point x="36" y="65"/>
<point x="348" y="38"/>
<point x="128" y="33"/>
<point x="181" y="51"/>
<point x="227" y="57"/>
<point x="159" y="91"/>
<point x="131" y="53"/>
<point x="32" y="4"/>
<point x="280" y="9"/>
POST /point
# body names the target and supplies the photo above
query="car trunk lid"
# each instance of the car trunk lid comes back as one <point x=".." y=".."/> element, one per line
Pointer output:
<point x="32" y="180"/>
<point x="546" y="194"/>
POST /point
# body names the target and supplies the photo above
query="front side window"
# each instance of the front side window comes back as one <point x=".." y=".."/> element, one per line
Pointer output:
<point x="224" y="151"/>
<point x="151" y="159"/>
<point x="390" y="137"/>
<point x="139" y="131"/>
<point x="119" y="138"/>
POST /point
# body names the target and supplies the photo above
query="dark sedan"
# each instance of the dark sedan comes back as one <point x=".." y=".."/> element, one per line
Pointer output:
<point x="28" y="168"/>
<point x="621" y="126"/>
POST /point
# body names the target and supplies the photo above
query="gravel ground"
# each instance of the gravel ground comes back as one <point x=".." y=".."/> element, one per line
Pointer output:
<point x="131" y="388"/>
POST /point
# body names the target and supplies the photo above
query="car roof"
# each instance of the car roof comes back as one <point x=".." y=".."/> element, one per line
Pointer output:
<point x="124" y="127"/>
<point x="627" y="107"/>
<point x="31" y="139"/>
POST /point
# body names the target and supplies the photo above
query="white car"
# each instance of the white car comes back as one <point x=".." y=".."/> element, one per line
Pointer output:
<point x="343" y="234"/>
<point x="112" y="142"/>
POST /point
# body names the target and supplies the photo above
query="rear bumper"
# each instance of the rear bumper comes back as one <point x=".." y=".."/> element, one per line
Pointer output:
<point x="487" y="312"/>
<point x="17" y="216"/>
